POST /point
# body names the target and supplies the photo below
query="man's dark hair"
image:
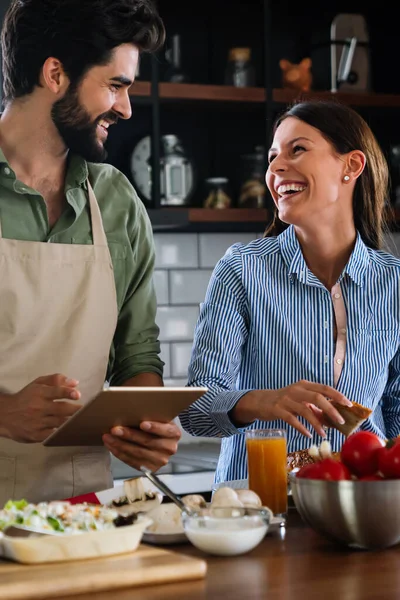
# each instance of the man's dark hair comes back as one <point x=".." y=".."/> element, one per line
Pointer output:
<point x="79" y="33"/>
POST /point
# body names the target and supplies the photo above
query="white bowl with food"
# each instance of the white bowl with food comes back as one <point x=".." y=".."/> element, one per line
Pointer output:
<point x="226" y="531"/>
<point x="67" y="532"/>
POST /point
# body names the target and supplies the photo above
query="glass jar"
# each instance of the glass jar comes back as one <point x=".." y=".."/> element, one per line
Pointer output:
<point x="217" y="193"/>
<point x="239" y="70"/>
<point x="253" y="191"/>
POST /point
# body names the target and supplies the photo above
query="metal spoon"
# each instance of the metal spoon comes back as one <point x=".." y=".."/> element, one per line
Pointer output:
<point x="165" y="489"/>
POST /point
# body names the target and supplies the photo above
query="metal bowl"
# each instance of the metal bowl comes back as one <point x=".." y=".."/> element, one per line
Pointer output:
<point x="359" y="514"/>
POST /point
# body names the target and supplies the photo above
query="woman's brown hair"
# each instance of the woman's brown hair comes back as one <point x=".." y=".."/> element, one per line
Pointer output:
<point x="346" y="130"/>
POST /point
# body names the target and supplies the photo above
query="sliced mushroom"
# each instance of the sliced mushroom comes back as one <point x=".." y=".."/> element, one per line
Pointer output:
<point x="137" y="498"/>
<point x="166" y="519"/>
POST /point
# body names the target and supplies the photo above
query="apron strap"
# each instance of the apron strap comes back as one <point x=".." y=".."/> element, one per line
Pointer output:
<point x="98" y="233"/>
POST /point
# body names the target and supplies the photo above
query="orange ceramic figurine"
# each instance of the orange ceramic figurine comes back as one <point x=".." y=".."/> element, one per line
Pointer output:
<point x="296" y="76"/>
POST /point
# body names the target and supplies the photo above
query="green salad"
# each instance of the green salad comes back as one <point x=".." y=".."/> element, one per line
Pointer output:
<point x="62" y="517"/>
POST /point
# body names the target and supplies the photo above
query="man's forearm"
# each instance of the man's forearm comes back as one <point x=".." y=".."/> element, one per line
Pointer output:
<point x="144" y="380"/>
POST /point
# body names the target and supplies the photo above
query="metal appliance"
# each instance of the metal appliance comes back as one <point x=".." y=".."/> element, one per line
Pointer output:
<point x="176" y="171"/>
<point x="350" y="61"/>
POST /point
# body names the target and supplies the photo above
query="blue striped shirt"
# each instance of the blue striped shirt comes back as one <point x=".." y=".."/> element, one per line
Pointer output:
<point x="267" y="322"/>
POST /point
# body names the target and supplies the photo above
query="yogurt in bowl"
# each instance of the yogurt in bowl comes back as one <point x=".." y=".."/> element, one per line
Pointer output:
<point x="226" y="531"/>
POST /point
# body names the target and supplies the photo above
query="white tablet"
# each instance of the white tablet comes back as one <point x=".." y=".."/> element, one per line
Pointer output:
<point x="127" y="406"/>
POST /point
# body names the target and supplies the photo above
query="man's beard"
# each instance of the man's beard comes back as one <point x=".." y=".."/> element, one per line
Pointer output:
<point x="76" y="128"/>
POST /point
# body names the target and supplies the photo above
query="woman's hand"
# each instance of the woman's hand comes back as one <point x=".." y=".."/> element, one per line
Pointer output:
<point x="301" y="399"/>
<point x="151" y="446"/>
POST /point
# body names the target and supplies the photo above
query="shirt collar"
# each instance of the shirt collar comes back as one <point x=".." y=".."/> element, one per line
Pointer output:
<point x="77" y="170"/>
<point x="293" y="257"/>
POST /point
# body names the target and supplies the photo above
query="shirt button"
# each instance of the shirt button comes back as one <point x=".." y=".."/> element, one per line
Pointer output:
<point x="337" y="295"/>
<point x="7" y="171"/>
<point x="325" y="359"/>
<point x="339" y="361"/>
<point x="326" y="324"/>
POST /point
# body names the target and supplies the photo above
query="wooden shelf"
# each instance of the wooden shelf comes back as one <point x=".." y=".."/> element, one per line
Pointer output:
<point x="228" y="215"/>
<point x="140" y="88"/>
<point x="225" y="93"/>
<point x="215" y="93"/>
<point x="356" y="99"/>
<point x="188" y="219"/>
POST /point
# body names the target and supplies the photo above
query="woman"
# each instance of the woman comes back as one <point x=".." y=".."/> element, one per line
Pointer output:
<point x="310" y="313"/>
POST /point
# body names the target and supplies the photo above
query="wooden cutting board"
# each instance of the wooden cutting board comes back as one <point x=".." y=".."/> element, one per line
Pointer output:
<point x="149" y="565"/>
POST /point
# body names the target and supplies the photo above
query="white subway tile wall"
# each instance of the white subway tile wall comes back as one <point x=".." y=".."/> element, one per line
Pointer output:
<point x="213" y="245"/>
<point x="176" y="250"/>
<point x="180" y="357"/>
<point x="161" y="283"/>
<point x="177" y="323"/>
<point x="188" y="286"/>
<point x="184" y="264"/>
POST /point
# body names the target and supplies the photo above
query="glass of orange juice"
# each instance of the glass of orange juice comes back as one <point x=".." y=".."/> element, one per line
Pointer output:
<point x="267" y="465"/>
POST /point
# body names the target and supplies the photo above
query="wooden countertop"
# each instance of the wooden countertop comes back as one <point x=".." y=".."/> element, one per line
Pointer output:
<point x="290" y="564"/>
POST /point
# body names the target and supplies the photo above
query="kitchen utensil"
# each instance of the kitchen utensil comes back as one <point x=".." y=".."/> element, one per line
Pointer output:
<point x="147" y="566"/>
<point x="359" y="514"/>
<point x="165" y="489"/>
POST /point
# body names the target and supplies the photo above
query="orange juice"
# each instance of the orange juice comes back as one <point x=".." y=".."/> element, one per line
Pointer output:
<point x="267" y="457"/>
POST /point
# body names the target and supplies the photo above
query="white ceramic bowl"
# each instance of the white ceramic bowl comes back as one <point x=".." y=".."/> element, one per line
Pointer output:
<point x="226" y="531"/>
<point x="91" y="544"/>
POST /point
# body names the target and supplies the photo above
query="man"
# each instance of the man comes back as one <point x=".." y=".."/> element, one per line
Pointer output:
<point x="77" y="304"/>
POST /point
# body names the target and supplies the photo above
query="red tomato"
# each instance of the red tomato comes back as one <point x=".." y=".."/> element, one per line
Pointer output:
<point x="371" y="478"/>
<point x="389" y="460"/>
<point x="309" y="471"/>
<point x="360" y="453"/>
<point x="327" y="469"/>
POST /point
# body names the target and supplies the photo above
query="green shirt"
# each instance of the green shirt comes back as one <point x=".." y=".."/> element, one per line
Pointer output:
<point x="23" y="215"/>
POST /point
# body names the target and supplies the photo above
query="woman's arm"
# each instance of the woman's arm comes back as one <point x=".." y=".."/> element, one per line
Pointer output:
<point x="220" y="336"/>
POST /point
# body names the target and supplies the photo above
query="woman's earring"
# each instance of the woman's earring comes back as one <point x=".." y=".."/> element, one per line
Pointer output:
<point x="346" y="178"/>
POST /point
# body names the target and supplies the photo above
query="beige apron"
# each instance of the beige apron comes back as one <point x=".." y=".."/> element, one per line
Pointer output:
<point x="58" y="314"/>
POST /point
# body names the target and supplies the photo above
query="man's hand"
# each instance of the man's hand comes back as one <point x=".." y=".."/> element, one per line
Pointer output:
<point x="151" y="446"/>
<point x="31" y="415"/>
